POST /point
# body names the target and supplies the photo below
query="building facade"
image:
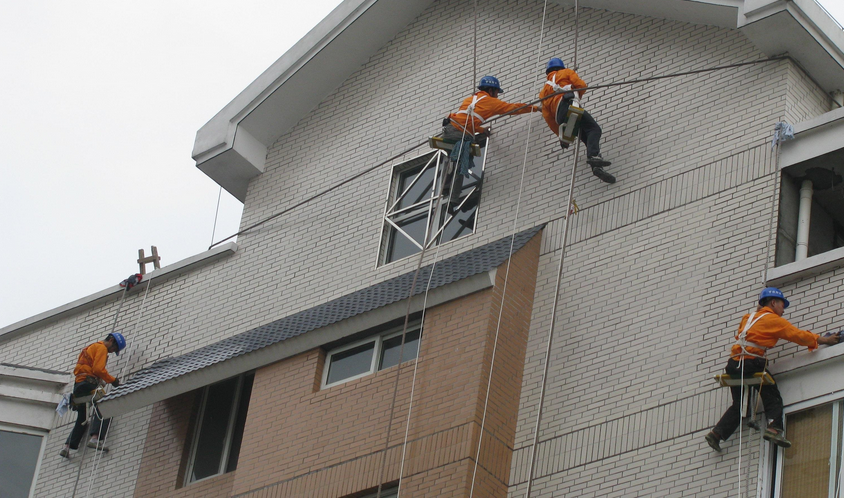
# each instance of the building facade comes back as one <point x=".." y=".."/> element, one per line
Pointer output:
<point x="275" y="366"/>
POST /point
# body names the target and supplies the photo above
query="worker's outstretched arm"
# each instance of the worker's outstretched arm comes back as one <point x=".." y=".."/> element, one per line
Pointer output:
<point x="787" y="331"/>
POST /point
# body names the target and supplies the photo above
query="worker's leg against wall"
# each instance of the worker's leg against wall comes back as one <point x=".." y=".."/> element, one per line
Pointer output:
<point x="78" y="428"/>
<point x="772" y="401"/>
<point x="562" y="110"/>
<point x="590" y="135"/>
<point x="731" y="418"/>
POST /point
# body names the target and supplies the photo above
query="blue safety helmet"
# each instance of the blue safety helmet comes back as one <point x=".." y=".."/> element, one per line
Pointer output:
<point x="555" y="64"/>
<point x="772" y="292"/>
<point x="119" y="340"/>
<point x="490" y="82"/>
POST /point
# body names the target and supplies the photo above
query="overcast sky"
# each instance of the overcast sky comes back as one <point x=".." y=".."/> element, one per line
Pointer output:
<point x="100" y="102"/>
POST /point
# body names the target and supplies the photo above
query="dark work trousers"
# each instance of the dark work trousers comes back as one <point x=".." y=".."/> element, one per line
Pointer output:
<point x="590" y="131"/>
<point x="771" y="399"/>
<point x="98" y="426"/>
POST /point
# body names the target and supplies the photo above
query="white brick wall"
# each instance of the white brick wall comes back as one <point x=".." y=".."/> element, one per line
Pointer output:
<point x="660" y="265"/>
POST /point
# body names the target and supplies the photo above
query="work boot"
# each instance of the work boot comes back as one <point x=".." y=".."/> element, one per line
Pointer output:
<point x="602" y="175"/>
<point x="65" y="452"/>
<point x="564" y="145"/>
<point x="97" y="445"/>
<point x="775" y="436"/>
<point x="713" y="441"/>
<point x="598" y="161"/>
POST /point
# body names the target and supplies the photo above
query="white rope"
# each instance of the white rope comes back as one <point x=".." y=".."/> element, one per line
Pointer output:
<point x="436" y="190"/>
<point x="216" y="215"/>
<point x="102" y="438"/>
<point x="509" y="261"/>
<point x="422" y="324"/>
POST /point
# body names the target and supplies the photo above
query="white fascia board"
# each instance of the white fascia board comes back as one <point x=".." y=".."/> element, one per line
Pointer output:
<point x="291" y="347"/>
<point x="188" y="264"/>
<point x="723" y="13"/>
<point x="33" y="375"/>
<point x="296" y="83"/>
<point x="814" y="138"/>
<point x="810" y="375"/>
<point x="802" y="29"/>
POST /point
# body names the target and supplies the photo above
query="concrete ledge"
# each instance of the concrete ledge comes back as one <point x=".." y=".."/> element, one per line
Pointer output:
<point x="188" y="264"/>
<point x="806" y="268"/>
<point x="810" y="375"/>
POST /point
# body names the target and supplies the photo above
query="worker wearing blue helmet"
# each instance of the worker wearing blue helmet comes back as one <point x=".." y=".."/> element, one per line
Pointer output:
<point x="91" y="373"/>
<point x="465" y="126"/>
<point x="557" y="97"/>
<point x="757" y="333"/>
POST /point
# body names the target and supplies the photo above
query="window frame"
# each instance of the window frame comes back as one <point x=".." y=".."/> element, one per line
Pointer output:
<point x="230" y="429"/>
<point x="837" y="402"/>
<point x="393" y="216"/>
<point x="40" y="459"/>
<point x="378" y="339"/>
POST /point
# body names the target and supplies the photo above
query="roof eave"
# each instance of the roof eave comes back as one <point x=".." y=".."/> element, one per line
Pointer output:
<point x="292" y="347"/>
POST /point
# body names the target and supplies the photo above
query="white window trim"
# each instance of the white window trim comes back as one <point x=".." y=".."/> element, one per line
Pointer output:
<point x="392" y="193"/>
<point x="229" y="432"/>
<point x="765" y="456"/>
<point x="31" y="432"/>
<point x="378" y="339"/>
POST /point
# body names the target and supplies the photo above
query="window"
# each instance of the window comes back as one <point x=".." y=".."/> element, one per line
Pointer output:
<point x="812" y="466"/>
<point x="416" y="198"/>
<point x="369" y="355"/>
<point x="216" y="440"/>
<point x="386" y="492"/>
<point x="817" y="186"/>
<point x="20" y="455"/>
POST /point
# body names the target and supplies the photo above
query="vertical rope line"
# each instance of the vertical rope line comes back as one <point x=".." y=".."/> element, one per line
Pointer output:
<point x="509" y="261"/>
<point x="216" y="214"/>
<point x="475" y="47"/>
<point x="82" y="457"/>
<point x="119" y="307"/>
<point x="772" y="228"/>
<point x="531" y="468"/>
<point x="98" y="454"/>
<point x="576" y="33"/>
<point x="436" y="190"/>
<point x="553" y="320"/>
<point x="740" y="428"/>
<point x="422" y="321"/>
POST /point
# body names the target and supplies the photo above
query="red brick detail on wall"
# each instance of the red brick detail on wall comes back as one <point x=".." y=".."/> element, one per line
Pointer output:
<point x="303" y="441"/>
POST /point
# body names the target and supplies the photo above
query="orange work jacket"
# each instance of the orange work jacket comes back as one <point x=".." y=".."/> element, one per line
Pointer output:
<point x="486" y="106"/>
<point x="92" y="363"/>
<point x="561" y="78"/>
<point x="768" y="330"/>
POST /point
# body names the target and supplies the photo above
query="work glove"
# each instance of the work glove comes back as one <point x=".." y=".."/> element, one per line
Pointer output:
<point x="116" y="382"/>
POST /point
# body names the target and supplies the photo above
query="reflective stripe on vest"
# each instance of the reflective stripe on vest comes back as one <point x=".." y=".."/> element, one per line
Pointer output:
<point x="742" y="338"/>
<point x="470" y="111"/>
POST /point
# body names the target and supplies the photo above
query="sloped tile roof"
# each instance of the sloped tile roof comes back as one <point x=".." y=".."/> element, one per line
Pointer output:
<point x="467" y="264"/>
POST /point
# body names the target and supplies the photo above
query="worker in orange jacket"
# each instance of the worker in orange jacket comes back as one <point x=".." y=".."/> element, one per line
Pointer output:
<point x="90" y="372"/>
<point x="560" y="80"/>
<point x="466" y="125"/>
<point x="756" y="334"/>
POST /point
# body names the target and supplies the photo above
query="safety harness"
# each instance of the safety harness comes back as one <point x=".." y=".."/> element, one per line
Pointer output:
<point x="470" y="110"/>
<point x="560" y="89"/>
<point x="742" y="338"/>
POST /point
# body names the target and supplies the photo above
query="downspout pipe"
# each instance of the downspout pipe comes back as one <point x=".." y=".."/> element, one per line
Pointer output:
<point x="803" y="217"/>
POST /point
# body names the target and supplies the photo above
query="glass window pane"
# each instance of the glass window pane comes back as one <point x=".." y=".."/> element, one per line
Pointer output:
<point x="350" y="362"/>
<point x="392" y="346"/>
<point x="401" y="246"/>
<point x="805" y="468"/>
<point x="463" y="222"/>
<point x="240" y="421"/>
<point x="211" y="438"/>
<point x="420" y="191"/>
<point x="18" y="459"/>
